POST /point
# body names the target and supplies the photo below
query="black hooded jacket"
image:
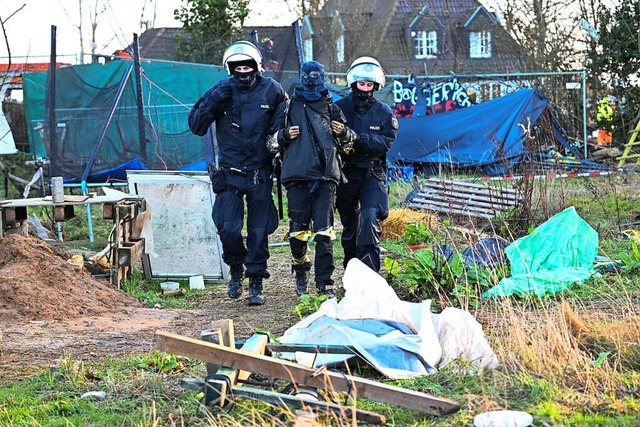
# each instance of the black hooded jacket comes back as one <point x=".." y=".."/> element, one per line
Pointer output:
<point x="314" y="155"/>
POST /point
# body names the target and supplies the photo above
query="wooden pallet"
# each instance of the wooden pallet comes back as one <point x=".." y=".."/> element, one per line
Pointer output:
<point x="463" y="198"/>
<point x="127" y="245"/>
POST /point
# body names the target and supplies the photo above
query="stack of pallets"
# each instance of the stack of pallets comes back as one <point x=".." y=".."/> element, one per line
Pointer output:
<point x="463" y="198"/>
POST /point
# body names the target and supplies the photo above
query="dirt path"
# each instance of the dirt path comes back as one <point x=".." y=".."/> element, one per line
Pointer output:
<point x="49" y="310"/>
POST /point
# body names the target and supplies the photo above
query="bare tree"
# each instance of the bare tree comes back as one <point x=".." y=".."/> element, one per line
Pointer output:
<point x="94" y="16"/>
<point x="5" y="73"/>
<point x="549" y="30"/>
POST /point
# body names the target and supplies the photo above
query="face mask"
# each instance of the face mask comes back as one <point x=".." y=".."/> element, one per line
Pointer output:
<point x="244" y="79"/>
<point x="363" y="98"/>
<point x="312" y="77"/>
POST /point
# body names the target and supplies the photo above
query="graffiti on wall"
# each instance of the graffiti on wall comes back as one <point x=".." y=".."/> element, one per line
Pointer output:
<point x="405" y="98"/>
<point x="438" y="99"/>
<point x="446" y="97"/>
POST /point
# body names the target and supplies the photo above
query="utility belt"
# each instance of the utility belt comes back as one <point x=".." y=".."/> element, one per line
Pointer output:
<point x="374" y="168"/>
<point x="219" y="179"/>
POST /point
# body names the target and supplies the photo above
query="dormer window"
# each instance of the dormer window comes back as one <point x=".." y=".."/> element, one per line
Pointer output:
<point x="480" y="44"/>
<point x="426" y="44"/>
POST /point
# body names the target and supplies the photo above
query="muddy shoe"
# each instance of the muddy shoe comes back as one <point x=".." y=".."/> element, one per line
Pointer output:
<point x="326" y="291"/>
<point x="302" y="282"/>
<point x="255" y="291"/>
<point x="234" y="290"/>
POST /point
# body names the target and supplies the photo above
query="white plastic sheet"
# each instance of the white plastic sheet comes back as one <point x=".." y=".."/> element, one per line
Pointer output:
<point x="400" y="339"/>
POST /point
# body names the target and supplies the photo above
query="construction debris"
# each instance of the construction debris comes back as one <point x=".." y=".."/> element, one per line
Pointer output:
<point x="321" y="378"/>
<point x="463" y="198"/>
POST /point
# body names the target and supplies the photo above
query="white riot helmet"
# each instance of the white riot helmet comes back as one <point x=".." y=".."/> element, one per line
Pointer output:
<point x="239" y="52"/>
<point x="368" y="69"/>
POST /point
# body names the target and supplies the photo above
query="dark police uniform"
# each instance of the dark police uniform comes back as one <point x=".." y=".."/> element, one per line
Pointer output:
<point x="362" y="201"/>
<point x="243" y="118"/>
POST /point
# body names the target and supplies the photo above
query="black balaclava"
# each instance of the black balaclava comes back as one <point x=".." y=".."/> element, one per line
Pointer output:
<point x="244" y="80"/>
<point x="312" y="78"/>
<point x="363" y="100"/>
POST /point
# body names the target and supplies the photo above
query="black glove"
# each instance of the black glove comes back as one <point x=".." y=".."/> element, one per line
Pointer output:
<point x="219" y="94"/>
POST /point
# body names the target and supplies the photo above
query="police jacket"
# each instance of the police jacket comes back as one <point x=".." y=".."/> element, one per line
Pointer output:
<point x="313" y="155"/>
<point x="243" y="120"/>
<point x="376" y="128"/>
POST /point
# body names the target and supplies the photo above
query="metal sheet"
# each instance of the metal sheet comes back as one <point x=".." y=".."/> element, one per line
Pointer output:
<point x="185" y="240"/>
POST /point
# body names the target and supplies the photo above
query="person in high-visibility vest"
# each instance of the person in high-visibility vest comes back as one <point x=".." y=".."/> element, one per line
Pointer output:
<point x="604" y="117"/>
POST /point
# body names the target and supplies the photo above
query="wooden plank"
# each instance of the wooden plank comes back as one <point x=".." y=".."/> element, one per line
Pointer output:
<point x="450" y="211"/>
<point x="471" y="184"/>
<point x="217" y="391"/>
<point x="213" y="335"/>
<point x="467" y="187"/>
<point x="321" y="378"/>
<point x="459" y="207"/>
<point x="470" y="197"/>
<point x="69" y="198"/>
<point x="495" y="194"/>
<point x="228" y="333"/>
<point x="130" y="253"/>
<point x="297" y="402"/>
<point x="462" y="204"/>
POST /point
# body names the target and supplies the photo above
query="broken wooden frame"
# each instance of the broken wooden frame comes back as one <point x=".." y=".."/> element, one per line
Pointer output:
<point x="220" y="390"/>
<point x="298" y="374"/>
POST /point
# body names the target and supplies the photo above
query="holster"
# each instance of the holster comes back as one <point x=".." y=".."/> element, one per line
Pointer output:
<point x="218" y="179"/>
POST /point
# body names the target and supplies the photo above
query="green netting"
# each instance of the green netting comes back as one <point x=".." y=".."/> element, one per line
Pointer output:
<point x="84" y="97"/>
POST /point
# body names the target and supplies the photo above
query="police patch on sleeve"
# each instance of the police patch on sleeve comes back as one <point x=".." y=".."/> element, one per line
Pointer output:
<point x="394" y="123"/>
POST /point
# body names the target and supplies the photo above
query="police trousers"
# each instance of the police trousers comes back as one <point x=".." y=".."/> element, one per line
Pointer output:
<point x="362" y="203"/>
<point x="262" y="219"/>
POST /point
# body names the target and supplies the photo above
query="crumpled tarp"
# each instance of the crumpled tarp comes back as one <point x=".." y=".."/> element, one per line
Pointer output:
<point x="558" y="253"/>
<point x="400" y="339"/>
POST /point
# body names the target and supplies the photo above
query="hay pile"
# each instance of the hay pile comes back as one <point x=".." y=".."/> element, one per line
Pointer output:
<point x="393" y="227"/>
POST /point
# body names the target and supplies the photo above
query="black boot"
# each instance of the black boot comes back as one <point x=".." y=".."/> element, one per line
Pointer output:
<point x="302" y="282"/>
<point x="326" y="290"/>
<point x="234" y="290"/>
<point x="255" y="291"/>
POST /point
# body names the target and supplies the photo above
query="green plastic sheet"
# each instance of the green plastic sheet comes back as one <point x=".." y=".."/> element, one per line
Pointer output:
<point x="558" y="253"/>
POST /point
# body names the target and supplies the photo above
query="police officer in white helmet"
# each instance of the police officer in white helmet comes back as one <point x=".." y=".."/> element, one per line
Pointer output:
<point x="243" y="108"/>
<point x="362" y="200"/>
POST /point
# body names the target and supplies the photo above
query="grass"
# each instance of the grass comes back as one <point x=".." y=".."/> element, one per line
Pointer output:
<point x="568" y="360"/>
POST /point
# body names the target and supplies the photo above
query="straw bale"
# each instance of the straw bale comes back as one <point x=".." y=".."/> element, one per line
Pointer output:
<point x="393" y="227"/>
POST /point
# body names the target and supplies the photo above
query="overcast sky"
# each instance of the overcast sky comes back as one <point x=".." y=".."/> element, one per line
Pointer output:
<point x="29" y="29"/>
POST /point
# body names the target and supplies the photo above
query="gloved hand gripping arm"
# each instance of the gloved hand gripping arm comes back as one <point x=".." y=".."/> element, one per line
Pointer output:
<point x="345" y="137"/>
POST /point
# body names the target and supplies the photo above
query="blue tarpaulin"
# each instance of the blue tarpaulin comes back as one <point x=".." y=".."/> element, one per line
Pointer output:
<point x="490" y="135"/>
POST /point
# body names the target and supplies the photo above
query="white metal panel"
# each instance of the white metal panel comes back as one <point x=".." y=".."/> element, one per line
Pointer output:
<point x="185" y="240"/>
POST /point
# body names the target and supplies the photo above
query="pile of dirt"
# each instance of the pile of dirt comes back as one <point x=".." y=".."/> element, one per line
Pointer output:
<point x="37" y="283"/>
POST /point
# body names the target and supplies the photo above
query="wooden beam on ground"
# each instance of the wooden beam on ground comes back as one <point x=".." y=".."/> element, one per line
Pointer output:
<point x="213" y="335"/>
<point x="321" y="378"/>
<point x="217" y="387"/>
<point x="297" y="402"/>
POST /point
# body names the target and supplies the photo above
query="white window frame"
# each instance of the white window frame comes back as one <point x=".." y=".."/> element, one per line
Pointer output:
<point x="426" y="44"/>
<point x="340" y="49"/>
<point x="480" y="44"/>
<point x="307" y="50"/>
